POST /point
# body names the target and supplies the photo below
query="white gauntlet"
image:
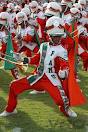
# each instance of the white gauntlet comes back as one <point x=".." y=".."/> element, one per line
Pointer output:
<point x="63" y="73"/>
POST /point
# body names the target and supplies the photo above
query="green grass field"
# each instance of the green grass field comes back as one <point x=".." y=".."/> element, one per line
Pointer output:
<point x="38" y="113"/>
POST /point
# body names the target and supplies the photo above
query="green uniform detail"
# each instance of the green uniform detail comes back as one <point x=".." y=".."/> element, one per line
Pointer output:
<point x="9" y="53"/>
<point x="40" y="69"/>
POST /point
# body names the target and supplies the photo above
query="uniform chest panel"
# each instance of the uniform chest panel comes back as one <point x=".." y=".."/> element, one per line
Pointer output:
<point x="52" y="53"/>
<point x="56" y="51"/>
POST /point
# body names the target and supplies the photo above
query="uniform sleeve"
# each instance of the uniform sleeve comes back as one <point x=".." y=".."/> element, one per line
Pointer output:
<point x="27" y="38"/>
<point x="60" y="64"/>
<point x="66" y="26"/>
<point x="35" y="59"/>
<point x="41" y="22"/>
<point x="67" y="43"/>
<point x="61" y="67"/>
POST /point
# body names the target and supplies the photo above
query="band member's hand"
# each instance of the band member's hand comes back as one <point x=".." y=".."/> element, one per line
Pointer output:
<point x="63" y="73"/>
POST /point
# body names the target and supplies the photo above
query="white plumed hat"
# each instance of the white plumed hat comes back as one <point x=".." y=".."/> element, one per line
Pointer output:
<point x="20" y="17"/>
<point x="33" y="4"/>
<point x="10" y="6"/>
<point x="82" y="2"/>
<point x="53" y="9"/>
<point x="77" y="5"/>
<point x="74" y="11"/>
<point x="4" y="18"/>
<point x="26" y="11"/>
<point x="55" y="26"/>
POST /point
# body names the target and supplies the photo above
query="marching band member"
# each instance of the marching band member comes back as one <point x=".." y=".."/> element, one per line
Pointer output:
<point x="27" y="12"/>
<point x="66" y="5"/>
<point x="53" y="9"/>
<point x="80" y="40"/>
<point x="82" y="47"/>
<point x="45" y="7"/>
<point x="12" y="15"/>
<point x="71" y="29"/>
<point x="38" y="18"/>
<point x="25" y="35"/>
<point x="82" y="3"/>
<point x="34" y="8"/>
<point x="52" y="69"/>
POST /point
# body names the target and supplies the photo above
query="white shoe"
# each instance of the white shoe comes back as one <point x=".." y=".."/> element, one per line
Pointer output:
<point x="71" y="113"/>
<point x="36" y="92"/>
<point x="5" y="113"/>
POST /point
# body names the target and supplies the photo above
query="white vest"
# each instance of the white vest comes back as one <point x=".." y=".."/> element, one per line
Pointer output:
<point x="49" y="70"/>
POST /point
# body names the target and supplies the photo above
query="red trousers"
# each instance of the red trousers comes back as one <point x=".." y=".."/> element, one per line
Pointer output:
<point x="19" y="86"/>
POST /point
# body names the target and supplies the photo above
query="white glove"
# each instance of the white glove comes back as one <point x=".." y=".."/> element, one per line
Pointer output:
<point x="63" y="73"/>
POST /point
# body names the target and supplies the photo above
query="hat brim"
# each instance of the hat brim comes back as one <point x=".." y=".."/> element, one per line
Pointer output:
<point x="47" y="14"/>
<point x="56" y="35"/>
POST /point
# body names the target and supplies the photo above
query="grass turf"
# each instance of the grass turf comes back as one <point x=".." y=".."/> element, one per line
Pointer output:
<point x="38" y="113"/>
